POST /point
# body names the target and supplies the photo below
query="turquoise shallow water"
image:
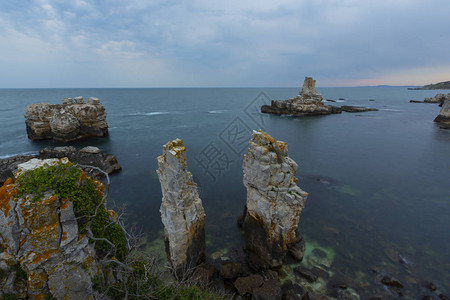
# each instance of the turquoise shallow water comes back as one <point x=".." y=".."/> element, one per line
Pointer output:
<point x="378" y="181"/>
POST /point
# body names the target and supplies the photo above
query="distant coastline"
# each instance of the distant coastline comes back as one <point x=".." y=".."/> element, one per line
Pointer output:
<point x="444" y="85"/>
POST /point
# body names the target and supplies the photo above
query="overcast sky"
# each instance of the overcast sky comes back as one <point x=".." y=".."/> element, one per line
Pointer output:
<point x="200" y="43"/>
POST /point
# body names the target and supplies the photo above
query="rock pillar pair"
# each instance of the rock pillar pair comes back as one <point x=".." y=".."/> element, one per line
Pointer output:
<point x="271" y="215"/>
<point x="181" y="210"/>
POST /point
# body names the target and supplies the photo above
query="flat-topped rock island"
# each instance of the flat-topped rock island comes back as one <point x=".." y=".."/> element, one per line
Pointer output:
<point x="308" y="103"/>
<point x="72" y="120"/>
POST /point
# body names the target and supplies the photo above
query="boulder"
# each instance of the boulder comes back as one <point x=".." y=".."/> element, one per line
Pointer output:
<point x="246" y="284"/>
<point x="69" y="121"/>
<point x="270" y="290"/>
<point x="443" y="119"/>
<point x="274" y="202"/>
<point x="181" y="210"/>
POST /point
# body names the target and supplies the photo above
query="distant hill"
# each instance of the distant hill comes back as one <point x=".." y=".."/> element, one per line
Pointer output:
<point x="445" y="85"/>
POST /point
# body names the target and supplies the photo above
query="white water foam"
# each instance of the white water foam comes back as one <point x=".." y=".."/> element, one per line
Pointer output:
<point x="154" y="113"/>
<point x="216" y="111"/>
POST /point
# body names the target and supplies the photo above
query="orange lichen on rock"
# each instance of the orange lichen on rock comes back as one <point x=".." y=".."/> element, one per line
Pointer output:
<point x="44" y="256"/>
<point x="7" y="192"/>
<point x="98" y="185"/>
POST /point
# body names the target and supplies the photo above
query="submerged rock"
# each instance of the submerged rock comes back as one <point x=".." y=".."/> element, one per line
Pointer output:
<point x="274" y="202"/>
<point x="353" y="109"/>
<point x="69" y="121"/>
<point x="443" y="119"/>
<point x="181" y="210"/>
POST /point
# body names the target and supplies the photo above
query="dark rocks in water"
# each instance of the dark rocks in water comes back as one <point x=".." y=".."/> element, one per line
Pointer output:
<point x="247" y="284"/>
<point x="371" y="99"/>
<point x="270" y="290"/>
<point x="356" y="109"/>
<point x="205" y="273"/>
<point x="330" y="100"/>
<point x="341" y="99"/>
<point x="292" y="291"/>
<point x="69" y="121"/>
<point x="320" y="272"/>
<point x="231" y="270"/>
<point x="443" y="119"/>
<point x="417" y="101"/>
<point x="104" y="161"/>
<point x="306" y="273"/>
<point x="85" y="156"/>
<point x="391" y="281"/>
<point x="337" y="283"/>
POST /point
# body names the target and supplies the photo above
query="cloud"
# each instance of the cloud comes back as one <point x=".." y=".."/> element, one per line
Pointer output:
<point x="233" y="43"/>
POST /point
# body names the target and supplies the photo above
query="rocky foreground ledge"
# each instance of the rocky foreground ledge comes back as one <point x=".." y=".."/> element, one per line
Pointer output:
<point x="72" y="120"/>
<point x="91" y="156"/>
<point x="308" y="103"/>
<point x="54" y="225"/>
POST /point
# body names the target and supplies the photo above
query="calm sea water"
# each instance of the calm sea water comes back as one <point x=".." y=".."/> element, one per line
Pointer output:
<point x="378" y="182"/>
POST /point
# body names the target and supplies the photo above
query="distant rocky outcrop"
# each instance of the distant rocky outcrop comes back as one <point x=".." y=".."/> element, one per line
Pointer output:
<point x="89" y="156"/>
<point x="181" y="210"/>
<point x="443" y="119"/>
<point x="69" y="121"/>
<point x="445" y="85"/>
<point x="43" y="252"/>
<point x="308" y="103"/>
<point x="274" y="203"/>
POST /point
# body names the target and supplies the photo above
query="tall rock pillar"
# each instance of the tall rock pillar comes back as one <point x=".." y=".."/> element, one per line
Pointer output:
<point x="181" y="210"/>
<point x="274" y="202"/>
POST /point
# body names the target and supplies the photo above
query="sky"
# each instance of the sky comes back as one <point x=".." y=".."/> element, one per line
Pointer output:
<point x="200" y="43"/>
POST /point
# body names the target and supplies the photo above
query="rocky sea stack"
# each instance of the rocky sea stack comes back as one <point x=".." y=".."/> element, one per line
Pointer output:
<point x="181" y="210"/>
<point x="72" y="120"/>
<point x="274" y="203"/>
<point x="307" y="103"/>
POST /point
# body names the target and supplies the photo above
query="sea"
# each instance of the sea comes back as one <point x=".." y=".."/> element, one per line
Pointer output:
<point x="378" y="182"/>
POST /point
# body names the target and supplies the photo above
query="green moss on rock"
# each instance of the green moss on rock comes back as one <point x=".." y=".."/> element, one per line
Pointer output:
<point x="67" y="181"/>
